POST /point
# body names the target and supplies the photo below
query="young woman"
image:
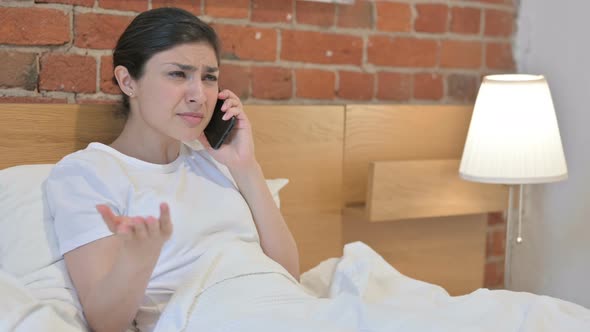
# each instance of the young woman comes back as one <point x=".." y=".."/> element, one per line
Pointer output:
<point x="135" y="218"/>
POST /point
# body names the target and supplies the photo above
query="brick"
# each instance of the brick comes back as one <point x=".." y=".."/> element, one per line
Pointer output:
<point x="227" y="8"/>
<point x="358" y="15"/>
<point x="428" y="86"/>
<point x="32" y="100"/>
<point x="130" y="5"/>
<point x="315" y="13"/>
<point x="99" y="31"/>
<point x="71" y="73"/>
<point x="235" y="78"/>
<point x="355" y="85"/>
<point x="494" y="275"/>
<point x="499" y="56"/>
<point x="272" y="11"/>
<point x="465" y="20"/>
<point x="321" y="47"/>
<point x="495" y="244"/>
<point x="498" y="23"/>
<point x="193" y="6"/>
<point x="106" y="76"/>
<point x="496" y="218"/>
<point x="394" y="86"/>
<point x="460" y="54"/>
<point x="462" y="88"/>
<point x="315" y="83"/>
<point x="431" y="18"/>
<point x="393" y="16"/>
<point x="85" y="3"/>
<point x="274" y="83"/>
<point x="34" y="26"/>
<point x="247" y="43"/>
<point x="19" y="70"/>
<point x="402" y="52"/>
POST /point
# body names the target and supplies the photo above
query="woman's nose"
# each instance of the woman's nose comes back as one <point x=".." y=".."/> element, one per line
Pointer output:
<point x="195" y="93"/>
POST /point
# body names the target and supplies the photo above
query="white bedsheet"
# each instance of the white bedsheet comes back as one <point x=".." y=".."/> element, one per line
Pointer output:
<point x="360" y="292"/>
<point x="20" y="310"/>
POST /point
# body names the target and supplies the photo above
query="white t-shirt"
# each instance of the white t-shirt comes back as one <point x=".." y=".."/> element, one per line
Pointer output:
<point x="214" y="236"/>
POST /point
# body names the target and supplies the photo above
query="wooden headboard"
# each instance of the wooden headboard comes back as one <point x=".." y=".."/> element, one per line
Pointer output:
<point x="301" y="143"/>
<point x="333" y="156"/>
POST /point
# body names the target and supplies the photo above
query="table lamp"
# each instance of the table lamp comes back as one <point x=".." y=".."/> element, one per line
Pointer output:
<point x="513" y="139"/>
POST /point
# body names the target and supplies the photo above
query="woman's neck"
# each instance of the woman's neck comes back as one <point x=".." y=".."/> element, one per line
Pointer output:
<point x="146" y="145"/>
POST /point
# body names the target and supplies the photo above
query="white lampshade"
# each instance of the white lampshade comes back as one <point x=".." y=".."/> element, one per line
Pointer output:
<point x="513" y="137"/>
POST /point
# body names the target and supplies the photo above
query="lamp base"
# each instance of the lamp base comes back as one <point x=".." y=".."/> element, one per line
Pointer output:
<point x="509" y="228"/>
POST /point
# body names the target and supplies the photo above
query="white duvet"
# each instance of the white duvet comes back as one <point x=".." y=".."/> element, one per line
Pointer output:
<point x="23" y="306"/>
<point x="357" y="292"/>
<point x="360" y="292"/>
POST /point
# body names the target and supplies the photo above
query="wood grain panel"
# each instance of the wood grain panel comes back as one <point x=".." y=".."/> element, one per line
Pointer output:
<point x="399" y="132"/>
<point x="44" y="133"/>
<point x="301" y="143"/>
<point x="431" y="188"/>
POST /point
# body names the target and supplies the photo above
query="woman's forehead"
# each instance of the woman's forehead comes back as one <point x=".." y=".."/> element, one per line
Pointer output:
<point x="194" y="54"/>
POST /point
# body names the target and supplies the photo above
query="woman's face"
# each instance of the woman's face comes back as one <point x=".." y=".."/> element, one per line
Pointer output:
<point x="177" y="93"/>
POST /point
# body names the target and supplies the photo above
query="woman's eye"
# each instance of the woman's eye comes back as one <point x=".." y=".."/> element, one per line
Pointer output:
<point x="210" y="78"/>
<point x="177" y="74"/>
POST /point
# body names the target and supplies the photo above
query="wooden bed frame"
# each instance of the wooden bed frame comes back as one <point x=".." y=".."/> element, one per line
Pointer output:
<point x="325" y="152"/>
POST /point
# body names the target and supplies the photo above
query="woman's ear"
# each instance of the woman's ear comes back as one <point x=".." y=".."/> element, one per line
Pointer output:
<point x="126" y="82"/>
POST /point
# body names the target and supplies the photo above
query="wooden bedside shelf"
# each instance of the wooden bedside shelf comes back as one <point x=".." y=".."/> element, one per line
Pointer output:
<point x="413" y="189"/>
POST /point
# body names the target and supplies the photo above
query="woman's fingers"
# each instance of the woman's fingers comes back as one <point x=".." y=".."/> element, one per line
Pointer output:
<point x="152" y="225"/>
<point x="108" y="216"/>
<point x="165" y="222"/>
<point x="225" y="94"/>
<point x="124" y="228"/>
<point x="233" y="111"/>
<point x="228" y="103"/>
<point x="232" y="106"/>
<point x="139" y="227"/>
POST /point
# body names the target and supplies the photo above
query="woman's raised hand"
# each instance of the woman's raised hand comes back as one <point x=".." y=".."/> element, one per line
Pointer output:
<point x="239" y="149"/>
<point x="141" y="234"/>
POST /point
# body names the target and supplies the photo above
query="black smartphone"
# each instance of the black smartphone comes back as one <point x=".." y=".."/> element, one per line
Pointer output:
<point x="218" y="129"/>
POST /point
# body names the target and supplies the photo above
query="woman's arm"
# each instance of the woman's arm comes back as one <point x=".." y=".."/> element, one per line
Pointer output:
<point x="110" y="286"/>
<point x="111" y="274"/>
<point x="275" y="238"/>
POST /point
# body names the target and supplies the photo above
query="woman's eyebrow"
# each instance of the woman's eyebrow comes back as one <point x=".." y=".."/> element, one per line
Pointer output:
<point x="208" y="69"/>
<point x="182" y="66"/>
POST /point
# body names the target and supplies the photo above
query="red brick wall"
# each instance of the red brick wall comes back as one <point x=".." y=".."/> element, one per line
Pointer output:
<point x="287" y="51"/>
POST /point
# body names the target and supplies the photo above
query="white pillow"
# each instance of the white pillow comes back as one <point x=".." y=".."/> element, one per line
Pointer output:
<point x="28" y="245"/>
<point x="27" y="239"/>
<point x="275" y="185"/>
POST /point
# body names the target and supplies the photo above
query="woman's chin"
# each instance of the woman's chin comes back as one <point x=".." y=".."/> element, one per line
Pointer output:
<point x="192" y="135"/>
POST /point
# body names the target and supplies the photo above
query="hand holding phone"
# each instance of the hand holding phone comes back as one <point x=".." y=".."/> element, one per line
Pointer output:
<point x="218" y="129"/>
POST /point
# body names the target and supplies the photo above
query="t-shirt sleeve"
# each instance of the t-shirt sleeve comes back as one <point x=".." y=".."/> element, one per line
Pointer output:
<point x="72" y="190"/>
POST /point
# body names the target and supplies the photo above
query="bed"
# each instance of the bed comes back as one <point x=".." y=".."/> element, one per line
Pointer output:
<point x="340" y="162"/>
